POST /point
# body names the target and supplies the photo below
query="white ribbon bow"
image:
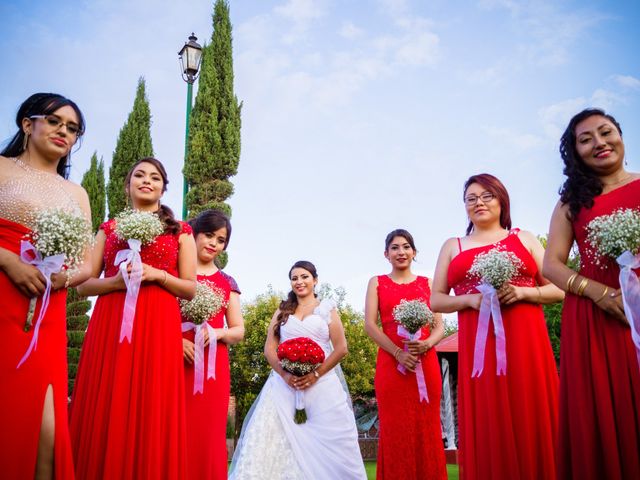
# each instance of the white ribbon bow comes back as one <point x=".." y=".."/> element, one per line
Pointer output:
<point x="630" y="286"/>
<point x="132" y="280"/>
<point x="489" y="308"/>
<point x="47" y="266"/>
<point x="198" y="361"/>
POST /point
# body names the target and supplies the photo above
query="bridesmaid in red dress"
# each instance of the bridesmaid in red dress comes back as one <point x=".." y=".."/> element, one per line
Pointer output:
<point x="599" y="373"/>
<point x="410" y="438"/>
<point x="207" y="409"/>
<point x="127" y="412"/>
<point x="34" y="437"/>
<point x="507" y="422"/>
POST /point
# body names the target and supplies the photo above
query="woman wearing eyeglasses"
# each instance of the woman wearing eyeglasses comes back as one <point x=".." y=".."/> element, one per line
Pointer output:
<point x="34" y="437"/>
<point x="508" y="391"/>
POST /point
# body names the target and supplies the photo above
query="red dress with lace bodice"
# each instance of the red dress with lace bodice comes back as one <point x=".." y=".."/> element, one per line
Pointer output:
<point x="599" y="373"/>
<point x="507" y="423"/>
<point x="127" y="412"/>
<point x="410" y="439"/>
<point x="207" y="411"/>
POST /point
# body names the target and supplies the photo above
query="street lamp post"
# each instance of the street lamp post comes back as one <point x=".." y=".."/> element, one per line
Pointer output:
<point x="190" y="57"/>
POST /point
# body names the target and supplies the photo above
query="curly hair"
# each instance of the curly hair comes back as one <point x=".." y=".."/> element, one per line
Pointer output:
<point x="289" y="304"/>
<point x="582" y="184"/>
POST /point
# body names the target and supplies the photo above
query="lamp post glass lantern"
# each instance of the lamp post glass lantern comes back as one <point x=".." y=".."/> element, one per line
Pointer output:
<point x="190" y="57"/>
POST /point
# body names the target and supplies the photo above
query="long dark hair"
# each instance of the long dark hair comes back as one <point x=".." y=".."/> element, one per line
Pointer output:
<point x="210" y="221"/>
<point x="171" y="225"/>
<point x="495" y="186"/>
<point x="42" y="104"/>
<point x="582" y="184"/>
<point x="289" y="304"/>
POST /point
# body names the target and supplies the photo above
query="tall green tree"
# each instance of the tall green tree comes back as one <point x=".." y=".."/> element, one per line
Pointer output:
<point x="134" y="143"/>
<point x="94" y="183"/>
<point x="214" y="131"/>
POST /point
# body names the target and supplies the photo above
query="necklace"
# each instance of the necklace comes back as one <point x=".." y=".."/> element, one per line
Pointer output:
<point x="618" y="182"/>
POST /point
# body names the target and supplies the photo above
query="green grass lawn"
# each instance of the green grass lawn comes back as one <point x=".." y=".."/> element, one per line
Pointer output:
<point x="452" y="471"/>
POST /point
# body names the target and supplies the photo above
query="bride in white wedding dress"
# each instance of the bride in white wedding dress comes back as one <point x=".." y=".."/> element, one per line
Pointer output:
<point x="325" y="447"/>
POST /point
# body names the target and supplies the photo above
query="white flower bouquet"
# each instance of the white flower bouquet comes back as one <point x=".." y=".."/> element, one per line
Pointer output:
<point x="207" y="302"/>
<point x="58" y="241"/>
<point x="137" y="225"/>
<point x="413" y="315"/>
<point x="61" y="234"/>
<point x="495" y="267"/>
<point x="612" y="235"/>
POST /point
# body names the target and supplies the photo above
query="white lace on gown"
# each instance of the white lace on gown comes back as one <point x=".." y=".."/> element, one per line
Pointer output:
<point x="325" y="447"/>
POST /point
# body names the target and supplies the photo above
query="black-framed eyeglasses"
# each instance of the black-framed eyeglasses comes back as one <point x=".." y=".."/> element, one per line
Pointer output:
<point x="471" y="200"/>
<point x="56" y="122"/>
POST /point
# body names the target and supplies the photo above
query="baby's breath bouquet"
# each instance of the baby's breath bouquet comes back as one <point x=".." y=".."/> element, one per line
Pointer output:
<point x="613" y="234"/>
<point x="413" y="315"/>
<point x="207" y="301"/>
<point x="495" y="267"/>
<point x="58" y="241"/>
<point x="58" y="232"/>
<point x="142" y="226"/>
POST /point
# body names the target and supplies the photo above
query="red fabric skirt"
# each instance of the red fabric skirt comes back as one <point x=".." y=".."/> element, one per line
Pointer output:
<point x="24" y="388"/>
<point x="207" y="418"/>
<point x="127" y="413"/>
<point x="508" y="423"/>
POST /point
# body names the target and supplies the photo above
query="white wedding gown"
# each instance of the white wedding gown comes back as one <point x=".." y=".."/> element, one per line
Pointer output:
<point x="326" y="447"/>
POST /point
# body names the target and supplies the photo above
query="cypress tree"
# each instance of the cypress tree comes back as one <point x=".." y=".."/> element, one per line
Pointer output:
<point x="134" y="143"/>
<point x="93" y="182"/>
<point x="214" y="133"/>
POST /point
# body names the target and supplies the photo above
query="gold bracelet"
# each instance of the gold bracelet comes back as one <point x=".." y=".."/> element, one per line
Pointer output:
<point x="539" y="294"/>
<point x="604" y="294"/>
<point x="397" y="353"/>
<point x="164" y="282"/>
<point x="583" y="285"/>
<point x="570" y="282"/>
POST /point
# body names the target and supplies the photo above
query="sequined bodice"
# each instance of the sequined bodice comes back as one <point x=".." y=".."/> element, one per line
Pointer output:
<point x="462" y="283"/>
<point x="391" y="293"/>
<point x="30" y="191"/>
<point x="162" y="253"/>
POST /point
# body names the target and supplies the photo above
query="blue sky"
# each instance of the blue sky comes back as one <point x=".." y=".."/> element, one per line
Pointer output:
<point x="358" y="117"/>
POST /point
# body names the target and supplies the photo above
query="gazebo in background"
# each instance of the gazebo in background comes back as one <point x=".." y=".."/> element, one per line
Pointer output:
<point x="447" y="351"/>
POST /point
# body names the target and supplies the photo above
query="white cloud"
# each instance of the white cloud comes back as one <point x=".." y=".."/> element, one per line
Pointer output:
<point x="626" y="81"/>
<point x="350" y="31"/>
<point x="509" y="138"/>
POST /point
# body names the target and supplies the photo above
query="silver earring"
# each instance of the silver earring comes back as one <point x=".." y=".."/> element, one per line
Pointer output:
<point x="25" y="142"/>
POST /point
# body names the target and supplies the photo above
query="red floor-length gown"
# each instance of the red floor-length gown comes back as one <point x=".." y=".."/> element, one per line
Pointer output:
<point x="22" y="390"/>
<point x="410" y="439"/>
<point x="599" y="372"/>
<point x="207" y="411"/>
<point x="507" y="423"/>
<point x="127" y="412"/>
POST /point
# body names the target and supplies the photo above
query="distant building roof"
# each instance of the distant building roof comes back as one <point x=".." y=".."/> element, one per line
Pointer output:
<point x="448" y="344"/>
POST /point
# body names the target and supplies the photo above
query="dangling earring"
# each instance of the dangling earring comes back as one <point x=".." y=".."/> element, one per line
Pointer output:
<point x="25" y="142"/>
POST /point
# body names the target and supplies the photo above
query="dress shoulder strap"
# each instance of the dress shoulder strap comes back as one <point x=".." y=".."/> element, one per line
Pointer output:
<point x="459" y="245"/>
<point x="514" y="231"/>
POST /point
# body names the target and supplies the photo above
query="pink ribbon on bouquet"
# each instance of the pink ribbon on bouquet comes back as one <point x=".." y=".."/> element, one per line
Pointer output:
<point x="422" y="385"/>
<point x="47" y="266"/>
<point x="124" y="258"/>
<point x="490" y="307"/>
<point x="630" y="286"/>
<point x="198" y="361"/>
